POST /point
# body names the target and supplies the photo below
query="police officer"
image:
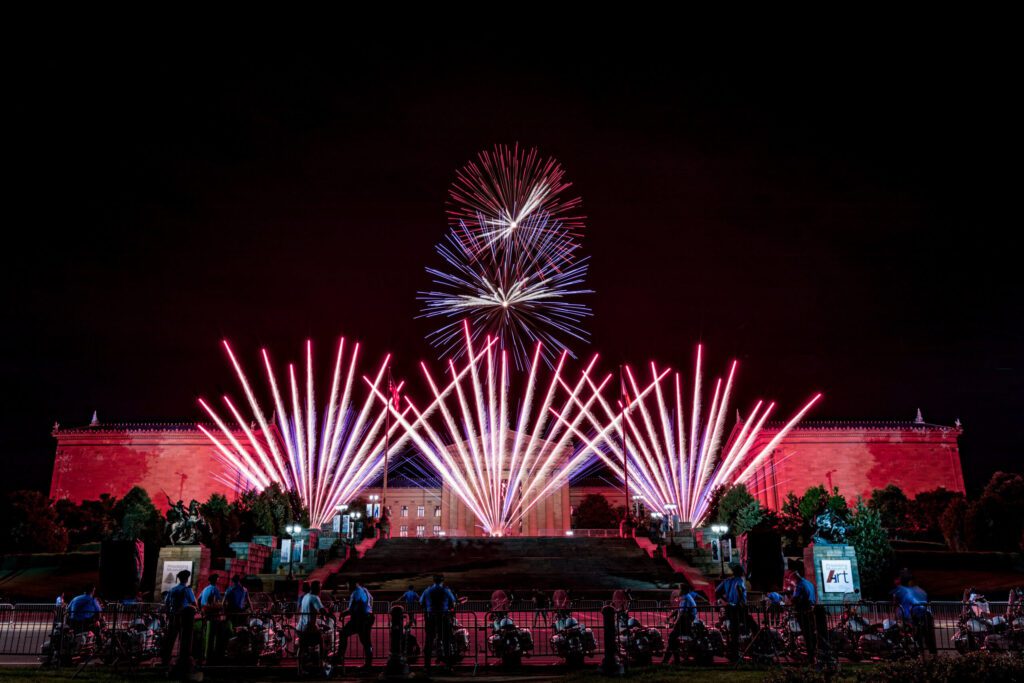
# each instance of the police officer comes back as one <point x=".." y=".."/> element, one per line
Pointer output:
<point x="913" y="609"/>
<point x="682" y="618"/>
<point x="360" y="621"/>
<point x="437" y="602"/>
<point x="773" y="606"/>
<point x="733" y="591"/>
<point x="84" y="611"/>
<point x="804" y="599"/>
<point x="181" y="610"/>
<point x="210" y="604"/>
<point x="412" y="600"/>
<point x="236" y="601"/>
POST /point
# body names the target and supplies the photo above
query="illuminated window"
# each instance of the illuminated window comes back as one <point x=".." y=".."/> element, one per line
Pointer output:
<point x="420" y="511"/>
<point x="437" y="510"/>
<point x="403" y="530"/>
<point x="405" y="511"/>
<point x="437" y="529"/>
<point x="421" y="530"/>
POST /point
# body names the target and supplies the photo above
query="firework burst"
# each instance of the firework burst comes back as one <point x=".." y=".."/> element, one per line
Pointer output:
<point x="509" y="196"/>
<point x="508" y="299"/>
<point x="500" y="461"/>
<point x="326" y="454"/>
<point x="676" y="458"/>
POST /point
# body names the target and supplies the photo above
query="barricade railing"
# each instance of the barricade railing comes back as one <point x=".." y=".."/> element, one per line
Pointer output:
<point x="24" y="628"/>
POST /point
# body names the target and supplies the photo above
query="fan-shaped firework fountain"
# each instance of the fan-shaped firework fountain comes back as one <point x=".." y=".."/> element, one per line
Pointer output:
<point x="676" y="472"/>
<point x="327" y="457"/>
<point x="498" y="460"/>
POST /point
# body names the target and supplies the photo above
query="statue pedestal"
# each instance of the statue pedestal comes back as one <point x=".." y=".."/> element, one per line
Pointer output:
<point x="833" y="571"/>
<point x="174" y="558"/>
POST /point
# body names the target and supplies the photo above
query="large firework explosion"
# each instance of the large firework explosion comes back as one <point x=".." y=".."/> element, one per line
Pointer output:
<point x="511" y="262"/>
<point x="676" y="457"/>
<point x="326" y="455"/>
<point x="499" y="460"/>
<point x="503" y="298"/>
<point x="494" y="200"/>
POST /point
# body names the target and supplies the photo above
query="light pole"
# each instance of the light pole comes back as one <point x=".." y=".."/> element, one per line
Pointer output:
<point x="720" y="530"/>
<point x="293" y="531"/>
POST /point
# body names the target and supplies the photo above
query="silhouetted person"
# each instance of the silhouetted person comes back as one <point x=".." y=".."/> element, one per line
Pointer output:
<point x="805" y="597"/>
<point x="360" y="621"/>
<point x="181" y="612"/>
<point x="733" y="591"/>
<point x="437" y="602"/>
<point x="682" y="622"/>
<point x="912" y="602"/>
<point x="84" y="611"/>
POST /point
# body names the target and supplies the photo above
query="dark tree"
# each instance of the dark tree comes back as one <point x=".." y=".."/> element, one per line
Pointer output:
<point x="995" y="521"/>
<point x="29" y="524"/>
<point x="139" y="518"/>
<point x="595" y="512"/>
<point x="892" y="507"/>
<point x="925" y="514"/>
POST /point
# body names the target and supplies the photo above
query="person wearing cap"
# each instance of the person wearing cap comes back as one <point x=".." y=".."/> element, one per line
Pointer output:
<point x="733" y="591"/>
<point x="181" y="607"/>
<point x="437" y="601"/>
<point x="682" y="622"/>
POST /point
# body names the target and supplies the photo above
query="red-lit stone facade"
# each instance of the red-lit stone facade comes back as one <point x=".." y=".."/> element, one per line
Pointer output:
<point x="177" y="459"/>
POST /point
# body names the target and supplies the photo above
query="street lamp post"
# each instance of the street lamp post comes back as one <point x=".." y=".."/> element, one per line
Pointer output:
<point x="293" y="531"/>
<point x="720" y="530"/>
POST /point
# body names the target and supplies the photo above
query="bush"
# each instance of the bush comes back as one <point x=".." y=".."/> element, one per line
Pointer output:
<point x="977" y="666"/>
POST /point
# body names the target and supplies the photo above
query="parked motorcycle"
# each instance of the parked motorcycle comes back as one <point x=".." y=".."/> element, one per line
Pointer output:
<point x="700" y="646"/>
<point x="638" y="643"/>
<point x="315" y="658"/>
<point x="507" y="641"/>
<point x="571" y="640"/>
<point x="891" y="639"/>
<point x="257" y="641"/>
<point x="975" y="626"/>
<point x="65" y="645"/>
<point x="845" y="637"/>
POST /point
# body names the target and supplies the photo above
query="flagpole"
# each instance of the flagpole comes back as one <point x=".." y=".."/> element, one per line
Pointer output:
<point x="622" y="426"/>
<point x="387" y="435"/>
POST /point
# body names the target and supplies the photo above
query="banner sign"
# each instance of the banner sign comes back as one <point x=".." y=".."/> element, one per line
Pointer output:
<point x="837" y="576"/>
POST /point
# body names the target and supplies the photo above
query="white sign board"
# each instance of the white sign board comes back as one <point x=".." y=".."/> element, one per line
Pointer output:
<point x="837" y="576"/>
<point x="169" y="577"/>
<point x="286" y="550"/>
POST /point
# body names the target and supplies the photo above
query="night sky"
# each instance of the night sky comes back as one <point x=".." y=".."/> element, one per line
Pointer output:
<point x="836" y="216"/>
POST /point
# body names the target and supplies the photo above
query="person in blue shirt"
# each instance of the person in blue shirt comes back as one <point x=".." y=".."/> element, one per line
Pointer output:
<point x="912" y="605"/>
<point x="236" y="601"/>
<point x="682" y="618"/>
<point x="210" y="604"/>
<point x="733" y="591"/>
<point x="437" y="601"/>
<point x="803" y="600"/>
<point x="84" y="611"/>
<point x="210" y="596"/>
<point x="412" y="601"/>
<point x="181" y="610"/>
<point x="360" y="621"/>
<point x="773" y="602"/>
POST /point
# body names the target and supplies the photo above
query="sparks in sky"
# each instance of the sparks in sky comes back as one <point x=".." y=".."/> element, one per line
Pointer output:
<point x="503" y="298"/>
<point x="675" y="457"/>
<point x="498" y="459"/>
<point x="508" y="197"/>
<point x="327" y="454"/>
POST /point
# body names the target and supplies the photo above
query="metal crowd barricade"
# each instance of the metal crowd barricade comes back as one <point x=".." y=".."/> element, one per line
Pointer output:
<point x="25" y="627"/>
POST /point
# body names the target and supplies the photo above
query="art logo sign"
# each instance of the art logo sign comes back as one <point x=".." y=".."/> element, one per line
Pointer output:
<point x="837" y="576"/>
